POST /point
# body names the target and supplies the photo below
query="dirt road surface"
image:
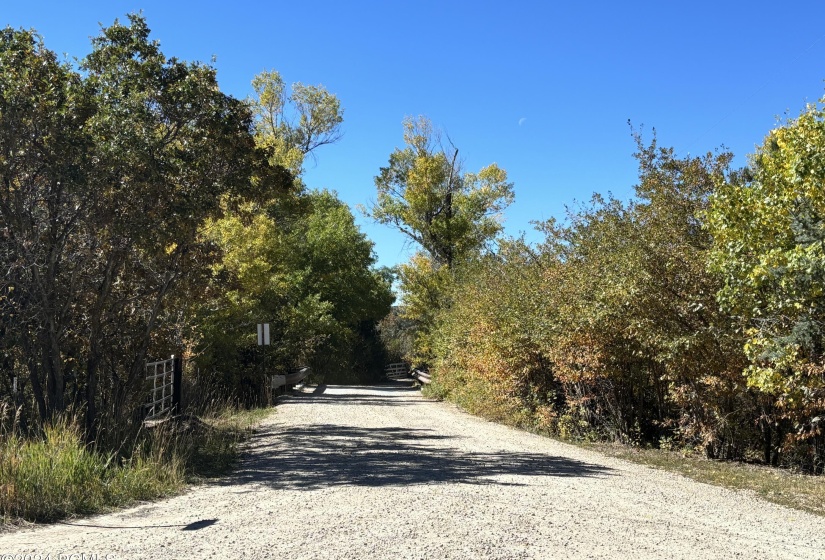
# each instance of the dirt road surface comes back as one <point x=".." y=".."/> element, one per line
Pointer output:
<point x="380" y="472"/>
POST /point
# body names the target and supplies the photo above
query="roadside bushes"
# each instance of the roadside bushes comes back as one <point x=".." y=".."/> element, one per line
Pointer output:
<point x="610" y="328"/>
<point x="488" y="343"/>
<point x="57" y="474"/>
<point x="689" y="317"/>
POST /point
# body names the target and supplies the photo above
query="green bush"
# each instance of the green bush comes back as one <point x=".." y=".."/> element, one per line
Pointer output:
<point x="57" y="474"/>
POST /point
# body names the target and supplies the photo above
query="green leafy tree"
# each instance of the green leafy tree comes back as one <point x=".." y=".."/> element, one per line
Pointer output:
<point x="424" y="193"/>
<point x="450" y="214"/>
<point x="295" y="260"/>
<point x="313" y="281"/>
<point x="340" y="267"/>
<point x="769" y="228"/>
<point x="171" y="147"/>
<point x="112" y="174"/>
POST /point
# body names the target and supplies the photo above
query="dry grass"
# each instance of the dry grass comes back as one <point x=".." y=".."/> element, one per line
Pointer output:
<point x="780" y="486"/>
<point x="784" y="487"/>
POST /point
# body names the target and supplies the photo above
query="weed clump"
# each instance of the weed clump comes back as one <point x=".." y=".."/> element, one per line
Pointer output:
<point x="55" y="474"/>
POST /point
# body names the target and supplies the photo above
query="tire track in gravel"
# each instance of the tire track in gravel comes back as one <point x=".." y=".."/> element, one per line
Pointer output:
<point x="380" y="472"/>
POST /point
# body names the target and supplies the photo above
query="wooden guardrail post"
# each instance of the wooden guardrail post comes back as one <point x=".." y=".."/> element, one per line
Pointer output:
<point x="177" y="375"/>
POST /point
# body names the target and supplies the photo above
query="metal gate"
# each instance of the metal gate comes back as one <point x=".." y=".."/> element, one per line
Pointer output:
<point x="164" y="393"/>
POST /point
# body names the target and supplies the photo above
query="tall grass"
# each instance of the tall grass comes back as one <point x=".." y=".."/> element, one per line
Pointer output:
<point x="56" y="474"/>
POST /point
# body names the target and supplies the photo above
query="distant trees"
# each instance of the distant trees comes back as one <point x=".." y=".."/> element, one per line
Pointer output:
<point x="294" y="259"/>
<point x="450" y="214"/>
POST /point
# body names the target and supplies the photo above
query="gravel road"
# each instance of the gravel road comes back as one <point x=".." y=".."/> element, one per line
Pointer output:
<point x="380" y="472"/>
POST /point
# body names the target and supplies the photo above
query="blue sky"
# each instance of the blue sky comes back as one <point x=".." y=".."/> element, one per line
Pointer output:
<point x="544" y="89"/>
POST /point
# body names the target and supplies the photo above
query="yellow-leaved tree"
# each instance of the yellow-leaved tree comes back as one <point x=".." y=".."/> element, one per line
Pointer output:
<point x="769" y="232"/>
<point x="294" y="259"/>
<point x="450" y="214"/>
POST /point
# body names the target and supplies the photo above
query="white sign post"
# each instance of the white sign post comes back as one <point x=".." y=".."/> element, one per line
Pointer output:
<point x="263" y="334"/>
<point x="263" y="340"/>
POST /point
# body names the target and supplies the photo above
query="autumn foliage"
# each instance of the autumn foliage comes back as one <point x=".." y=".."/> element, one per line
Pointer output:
<point x="688" y="317"/>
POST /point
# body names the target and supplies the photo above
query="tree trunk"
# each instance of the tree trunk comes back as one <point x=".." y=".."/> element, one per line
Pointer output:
<point x="95" y="346"/>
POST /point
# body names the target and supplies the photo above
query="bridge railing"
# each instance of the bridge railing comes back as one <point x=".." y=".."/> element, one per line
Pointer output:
<point x="421" y="376"/>
<point x="292" y="378"/>
<point x="400" y="370"/>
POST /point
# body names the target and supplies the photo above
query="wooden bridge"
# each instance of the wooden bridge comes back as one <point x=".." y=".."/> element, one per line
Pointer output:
<point x="402" y="370"/>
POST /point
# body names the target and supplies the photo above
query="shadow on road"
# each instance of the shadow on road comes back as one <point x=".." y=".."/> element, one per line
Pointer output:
<point x="398" y="393"/>
<point x="324" y="455"/>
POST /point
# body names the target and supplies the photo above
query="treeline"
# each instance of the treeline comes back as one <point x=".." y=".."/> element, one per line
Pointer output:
<point x="143" y="212"/>
<point x="688" y="317"/>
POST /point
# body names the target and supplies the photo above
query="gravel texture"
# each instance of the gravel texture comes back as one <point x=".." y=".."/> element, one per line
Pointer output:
<point x="380" y="472"/>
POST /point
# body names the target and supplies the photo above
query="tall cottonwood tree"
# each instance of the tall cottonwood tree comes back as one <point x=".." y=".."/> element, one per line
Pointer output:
<point x="294" y="123"/>
<point x="450" y="214"/>
<point x="424" y="193"/>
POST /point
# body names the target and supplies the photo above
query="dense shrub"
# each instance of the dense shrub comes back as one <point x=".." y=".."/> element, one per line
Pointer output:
<point x="610" y="328"/>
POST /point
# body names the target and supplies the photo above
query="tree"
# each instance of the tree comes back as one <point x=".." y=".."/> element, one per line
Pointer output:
<point x="490" y="345"/>
<point x="451" y="215"/>
<point x="171" y="147"/>
<point x="425" y="195"/>
<point x="339" y="261"/>
<point x="313" y="281"/>
<point x="297" y="124"/>
<point x="45" y="197"/>
<point x="111" y="176"/>
<point x="295" y="260"/>
<point x="769" y="231"/>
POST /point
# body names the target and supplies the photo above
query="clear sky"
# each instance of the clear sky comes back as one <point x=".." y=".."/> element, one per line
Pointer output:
<point x="543" y="88"/>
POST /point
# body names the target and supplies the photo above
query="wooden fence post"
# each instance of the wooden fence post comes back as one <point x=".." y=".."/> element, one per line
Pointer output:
<point x="177" y="374"/>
